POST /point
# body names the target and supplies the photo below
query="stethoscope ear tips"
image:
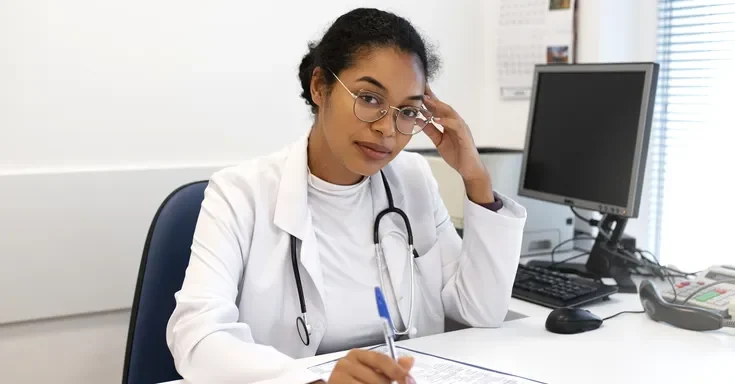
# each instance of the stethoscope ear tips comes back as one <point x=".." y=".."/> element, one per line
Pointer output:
<point x="412" y="332"/>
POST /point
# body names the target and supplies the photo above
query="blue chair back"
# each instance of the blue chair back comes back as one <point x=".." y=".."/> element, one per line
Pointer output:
<point x="162" y="268"/>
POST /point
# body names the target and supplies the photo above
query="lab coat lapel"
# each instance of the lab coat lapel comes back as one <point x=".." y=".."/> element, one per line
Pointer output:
<point x="392" y="234"/>
<point x="292" y="212"/>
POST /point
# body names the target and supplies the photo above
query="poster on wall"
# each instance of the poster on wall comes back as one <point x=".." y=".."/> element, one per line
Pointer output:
<point x="532" y="32"/>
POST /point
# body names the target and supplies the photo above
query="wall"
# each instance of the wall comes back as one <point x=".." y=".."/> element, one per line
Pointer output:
<point x="184" y="87"/>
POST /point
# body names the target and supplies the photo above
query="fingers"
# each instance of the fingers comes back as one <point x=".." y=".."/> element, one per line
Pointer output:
<point x="436" y="106"/>
<point x="449" y="123"/>
<point x="430" y="92"/>
<point x="357" y="372"/>
<point x="435" y="135"/>
<point x="380" y="362"/>
<point x="406" y="362"/>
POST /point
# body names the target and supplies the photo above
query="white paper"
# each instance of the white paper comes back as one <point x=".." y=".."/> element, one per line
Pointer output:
<point x="429" y="370"/>
<point x="531" y="32"/>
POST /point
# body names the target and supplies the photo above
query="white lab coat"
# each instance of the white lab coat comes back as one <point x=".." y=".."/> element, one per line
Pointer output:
<point x="235" y="316"/>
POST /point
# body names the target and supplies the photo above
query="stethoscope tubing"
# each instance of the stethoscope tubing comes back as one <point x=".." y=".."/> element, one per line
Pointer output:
<point x="302" y="324"/>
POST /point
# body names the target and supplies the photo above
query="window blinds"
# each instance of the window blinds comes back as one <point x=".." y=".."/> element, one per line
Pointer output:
<point x="691" y="162"/>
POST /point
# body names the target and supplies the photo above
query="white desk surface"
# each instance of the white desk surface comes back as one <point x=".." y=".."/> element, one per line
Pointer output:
<point x="630" y="348"/>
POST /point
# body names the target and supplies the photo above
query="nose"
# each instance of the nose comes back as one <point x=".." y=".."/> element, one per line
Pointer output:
<point x="385" y="125"/>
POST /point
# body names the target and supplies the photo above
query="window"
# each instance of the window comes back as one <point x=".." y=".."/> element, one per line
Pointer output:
<point x="692" y="149"/>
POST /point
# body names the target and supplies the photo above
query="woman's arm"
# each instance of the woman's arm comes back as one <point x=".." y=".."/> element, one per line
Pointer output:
<point x="206" y="340"/>
<point x="479" y="269"/>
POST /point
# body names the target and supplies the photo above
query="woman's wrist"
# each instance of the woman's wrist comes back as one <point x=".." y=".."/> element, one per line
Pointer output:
<point x="480" y="189"/>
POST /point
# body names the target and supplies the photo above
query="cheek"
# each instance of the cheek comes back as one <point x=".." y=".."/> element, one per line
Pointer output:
<point x="402" y="141"/>
<point x="344" y="124"/>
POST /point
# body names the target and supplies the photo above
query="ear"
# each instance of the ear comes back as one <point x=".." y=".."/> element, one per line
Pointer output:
<point x="318" y="87"/>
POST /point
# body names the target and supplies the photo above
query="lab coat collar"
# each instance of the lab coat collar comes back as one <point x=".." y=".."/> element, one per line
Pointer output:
<point x="291" y="211"/>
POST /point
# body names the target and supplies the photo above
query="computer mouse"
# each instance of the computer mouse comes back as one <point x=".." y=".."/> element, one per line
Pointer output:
<point x="572" y="320"/>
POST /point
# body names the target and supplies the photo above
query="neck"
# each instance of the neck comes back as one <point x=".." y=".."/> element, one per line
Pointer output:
<point x="324" y="164"/>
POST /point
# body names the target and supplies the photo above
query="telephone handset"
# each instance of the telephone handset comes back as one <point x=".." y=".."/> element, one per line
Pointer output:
<point x="702" y="304"/>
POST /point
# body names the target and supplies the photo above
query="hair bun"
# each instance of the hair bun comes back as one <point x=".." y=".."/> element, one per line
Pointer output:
<point x="306" y="68"/>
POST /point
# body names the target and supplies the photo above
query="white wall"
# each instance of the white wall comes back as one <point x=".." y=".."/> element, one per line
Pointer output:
<point x="178" y="87"/>
<point x="86" y="349"/>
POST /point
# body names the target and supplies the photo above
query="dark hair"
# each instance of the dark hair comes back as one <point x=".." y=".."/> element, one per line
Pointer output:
<point x="355" y="33"/>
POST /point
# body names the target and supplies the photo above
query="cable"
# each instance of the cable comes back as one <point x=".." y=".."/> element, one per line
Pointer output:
<point x="591" y="222"/>
<point x="702" y="288"/>
<point x="620" y="313"/>
<point x="660" y="268"/>
<point x="642" y="251"/>
<point x="552" y="265"/>
<point x="532" y="255"/>
<point x="553" y="250"/>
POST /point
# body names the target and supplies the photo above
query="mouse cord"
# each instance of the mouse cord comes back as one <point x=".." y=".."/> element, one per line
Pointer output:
<point x="620" y="313"/>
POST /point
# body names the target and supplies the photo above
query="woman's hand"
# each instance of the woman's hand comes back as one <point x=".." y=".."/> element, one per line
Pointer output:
<point x="457" y="148"/>
<point x="371" y="367"/>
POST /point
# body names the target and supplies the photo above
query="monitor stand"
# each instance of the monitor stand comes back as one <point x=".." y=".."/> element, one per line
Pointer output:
<point x="605" y="260"/>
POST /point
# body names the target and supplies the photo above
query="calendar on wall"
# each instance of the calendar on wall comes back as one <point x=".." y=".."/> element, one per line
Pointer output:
<point x="531" y="32"/>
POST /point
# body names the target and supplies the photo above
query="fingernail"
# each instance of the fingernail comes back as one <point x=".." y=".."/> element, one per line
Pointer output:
<point x="427" y="96"/>
<point x="437" y="119"/>
<point x="410" y="380"/>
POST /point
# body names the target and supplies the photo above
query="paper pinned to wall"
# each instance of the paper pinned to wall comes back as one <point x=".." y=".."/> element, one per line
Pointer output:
<point x="532" y="32"/>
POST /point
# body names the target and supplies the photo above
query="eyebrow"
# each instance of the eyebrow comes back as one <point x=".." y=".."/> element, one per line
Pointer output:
<point x="376" y="83"/>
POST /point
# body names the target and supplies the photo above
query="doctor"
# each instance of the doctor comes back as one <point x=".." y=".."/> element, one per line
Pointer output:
<point x="283" y="263"/>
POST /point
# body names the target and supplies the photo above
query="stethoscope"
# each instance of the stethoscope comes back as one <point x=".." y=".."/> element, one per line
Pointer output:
<point x="302" y="323"/>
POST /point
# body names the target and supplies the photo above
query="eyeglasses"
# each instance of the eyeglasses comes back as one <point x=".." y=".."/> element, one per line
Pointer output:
<point x="371" y="107"/>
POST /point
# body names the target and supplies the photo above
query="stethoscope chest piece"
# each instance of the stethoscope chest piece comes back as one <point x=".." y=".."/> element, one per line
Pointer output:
<point x="304" y="328"/>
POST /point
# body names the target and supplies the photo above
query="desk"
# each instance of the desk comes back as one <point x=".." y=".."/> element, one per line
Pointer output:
<point x="630" y="348"/>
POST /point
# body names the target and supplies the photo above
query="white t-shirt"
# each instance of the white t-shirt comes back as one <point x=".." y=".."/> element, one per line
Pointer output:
<point x="349" y="264"/>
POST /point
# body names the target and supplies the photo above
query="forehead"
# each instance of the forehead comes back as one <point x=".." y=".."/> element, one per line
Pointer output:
<point x="401" y="73"/>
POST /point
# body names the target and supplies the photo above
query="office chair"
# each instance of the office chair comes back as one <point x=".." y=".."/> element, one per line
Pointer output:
<point x="162" y="268"/>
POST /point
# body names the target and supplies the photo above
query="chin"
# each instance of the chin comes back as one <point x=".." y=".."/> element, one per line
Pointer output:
<point x="364" y="165"/>
<point x="365" y="168"/>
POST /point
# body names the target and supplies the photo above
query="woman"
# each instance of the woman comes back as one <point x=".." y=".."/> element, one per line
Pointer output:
<point x="236" y="315"/>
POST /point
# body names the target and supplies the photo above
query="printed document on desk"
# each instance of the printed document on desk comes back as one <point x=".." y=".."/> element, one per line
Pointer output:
<point x="429" y="369"/>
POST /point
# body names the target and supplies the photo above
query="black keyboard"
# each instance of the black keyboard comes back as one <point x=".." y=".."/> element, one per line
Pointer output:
<point x="554" y="290"/>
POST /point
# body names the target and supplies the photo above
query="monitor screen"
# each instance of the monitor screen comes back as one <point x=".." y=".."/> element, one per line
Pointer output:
<point x="583" y="134"/>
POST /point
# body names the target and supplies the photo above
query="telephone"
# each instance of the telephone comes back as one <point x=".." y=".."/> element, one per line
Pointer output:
<point x="715" y="297"/>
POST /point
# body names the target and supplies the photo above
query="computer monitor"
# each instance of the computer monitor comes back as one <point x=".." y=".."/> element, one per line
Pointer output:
<point x="586" y="144"/>
<point x="587" y="135"/>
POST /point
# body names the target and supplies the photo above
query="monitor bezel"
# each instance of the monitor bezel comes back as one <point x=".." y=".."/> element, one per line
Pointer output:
<point x="631" y="209"/>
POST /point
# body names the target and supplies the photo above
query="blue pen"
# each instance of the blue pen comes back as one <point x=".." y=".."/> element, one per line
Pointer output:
<point x="385" y="319"/>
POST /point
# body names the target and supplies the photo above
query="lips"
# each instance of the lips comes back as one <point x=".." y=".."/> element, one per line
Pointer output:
<point x="374" y="147"/>
<point x="373" y="151"/>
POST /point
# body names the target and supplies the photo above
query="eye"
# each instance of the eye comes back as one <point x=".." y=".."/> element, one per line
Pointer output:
<point x="369" y="99"/>
<point x="410" y="113"/>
